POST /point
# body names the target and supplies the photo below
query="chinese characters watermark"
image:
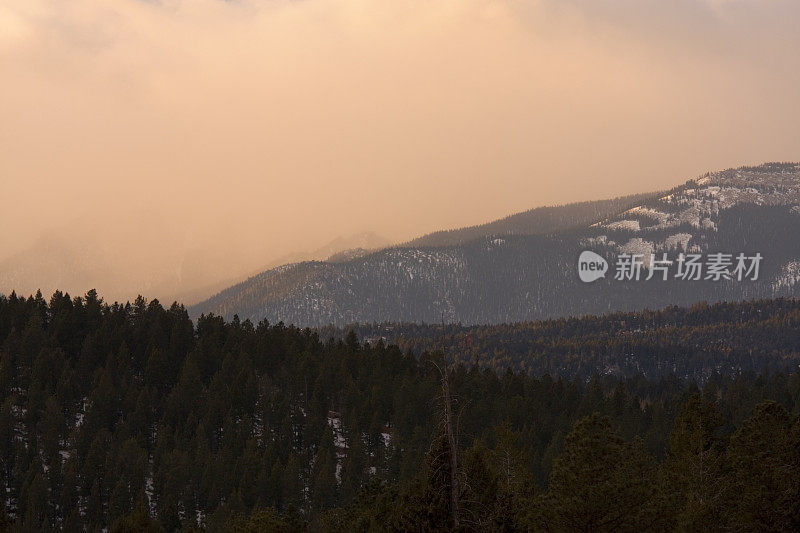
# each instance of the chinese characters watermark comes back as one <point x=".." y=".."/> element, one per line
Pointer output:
<point x="715" y="266"/>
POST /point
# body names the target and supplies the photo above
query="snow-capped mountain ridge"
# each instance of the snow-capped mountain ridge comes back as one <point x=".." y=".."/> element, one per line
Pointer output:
<point x="695" y="208"/>
<point x="701" y="200"/>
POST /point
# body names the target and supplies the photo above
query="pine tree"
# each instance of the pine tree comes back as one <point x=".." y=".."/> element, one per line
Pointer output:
<point x="479" y="501"/>
<point x="138" y="521"/>
<point x="37" y="512"/>
<point x="323" y="481"/>
<point x="517" y="488"/>
<point x="259" y="521"/>
<point x="694" y="483"/>
<point x="600" y="482"/>
<point x="764" y="455"/>
<point x="425" y="504"/>
<point x="5" y="520"/>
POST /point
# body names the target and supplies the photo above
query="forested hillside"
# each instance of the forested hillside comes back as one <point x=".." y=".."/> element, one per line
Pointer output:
<point x="132" y="418"/>
<point x="536" y="221"/>
<point x="690" y="342"/>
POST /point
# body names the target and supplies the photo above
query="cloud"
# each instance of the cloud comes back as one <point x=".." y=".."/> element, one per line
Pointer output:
<point x="260" y="127"/>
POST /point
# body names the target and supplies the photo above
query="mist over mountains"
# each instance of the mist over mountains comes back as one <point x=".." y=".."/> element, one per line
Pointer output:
<point x="172" y="270"/>
<point x="524" y="267"/>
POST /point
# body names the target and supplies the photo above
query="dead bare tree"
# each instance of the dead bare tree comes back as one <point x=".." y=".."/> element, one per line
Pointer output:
<point x="450" y="432"/>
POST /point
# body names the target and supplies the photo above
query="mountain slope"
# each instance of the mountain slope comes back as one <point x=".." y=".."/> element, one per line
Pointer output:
<point x="537" y="221"/>
<point x="526" y="277"/>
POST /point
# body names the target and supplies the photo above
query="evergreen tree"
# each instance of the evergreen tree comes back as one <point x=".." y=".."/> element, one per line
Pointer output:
<point x="138" y="521"/>
<point x="764" y="456"/>
<point x="694" y="480"/>
<point x="5" y="520"/>
<point x="600" y="482"/>
<point x="516" y="486"/>
<point x="425" y="504"/>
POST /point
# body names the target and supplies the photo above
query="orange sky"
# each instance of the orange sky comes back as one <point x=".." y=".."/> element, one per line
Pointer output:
<point x="242" y="131"/>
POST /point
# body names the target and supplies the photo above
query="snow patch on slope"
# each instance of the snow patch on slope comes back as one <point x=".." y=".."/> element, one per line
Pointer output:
<point x="629" y="225"/>
<point x="639" y="246"/>
<point x="679" y="241"/>
<point x="788" y="277"/>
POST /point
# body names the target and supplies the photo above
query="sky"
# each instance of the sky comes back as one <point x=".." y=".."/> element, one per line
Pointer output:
<point x="202" y="140"/>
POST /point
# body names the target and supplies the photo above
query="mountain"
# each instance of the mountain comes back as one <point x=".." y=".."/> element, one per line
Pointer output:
<point x="353" y="246"/>
<point x="341" y="248"/>
<point x="537" y="221"/>
<point x="510" y="277"/>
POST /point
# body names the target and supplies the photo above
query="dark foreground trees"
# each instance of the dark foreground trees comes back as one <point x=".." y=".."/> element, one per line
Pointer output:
<point x="601" y="482"/>
<point x="764" y="481"/>
<point x="132" y="418"/>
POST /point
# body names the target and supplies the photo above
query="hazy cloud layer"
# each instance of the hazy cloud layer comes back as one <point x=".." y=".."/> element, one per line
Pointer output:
<point x="226" y="134"/>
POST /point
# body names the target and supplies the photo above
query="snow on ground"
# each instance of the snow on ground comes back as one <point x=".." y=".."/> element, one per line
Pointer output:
<point x="628" y="225"/>
<point x="641" y="247"/>
<point x="148" y="490"/>
<point x="707" y="223"/>
<point x="700" y="206"/>
<point x="335" y="423"/>
<point x="788" y="277"/>
<point x="679" y="241"/>
<point x="649" y="212"/>
<point x="340" y="457"/>
<point x="600" y="240"/>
